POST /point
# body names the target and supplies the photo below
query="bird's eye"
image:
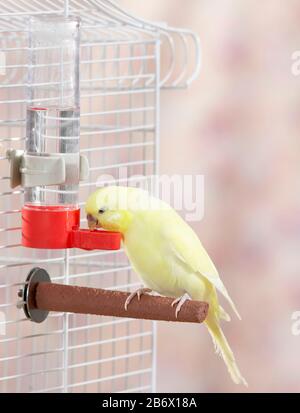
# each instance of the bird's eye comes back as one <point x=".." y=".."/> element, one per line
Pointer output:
<point x="101" y="211"/>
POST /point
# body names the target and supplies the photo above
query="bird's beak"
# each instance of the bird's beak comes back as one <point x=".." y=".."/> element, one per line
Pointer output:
<point x="92" y="221"/>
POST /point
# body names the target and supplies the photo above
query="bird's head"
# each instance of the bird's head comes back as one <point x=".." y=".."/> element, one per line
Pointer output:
<point x="108" y="208"/>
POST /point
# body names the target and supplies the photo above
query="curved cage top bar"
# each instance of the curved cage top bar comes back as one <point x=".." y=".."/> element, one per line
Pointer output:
<point x="182" y="45"/>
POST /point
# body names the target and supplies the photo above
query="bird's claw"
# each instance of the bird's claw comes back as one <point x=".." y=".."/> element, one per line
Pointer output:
<point x="137" y="293"/>
<point x="179" y="303"/>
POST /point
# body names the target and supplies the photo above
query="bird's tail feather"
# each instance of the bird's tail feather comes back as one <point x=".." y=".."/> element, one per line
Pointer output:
<point x="218" y="284"/>
<point x="223" y="314"/>
<point x="225" y="293"/>
<point x="227" y="296"/>
<point x="222" y="347"/>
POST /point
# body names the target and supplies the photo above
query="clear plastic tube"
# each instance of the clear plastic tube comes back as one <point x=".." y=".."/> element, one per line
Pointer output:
<point x="53" y="110"/>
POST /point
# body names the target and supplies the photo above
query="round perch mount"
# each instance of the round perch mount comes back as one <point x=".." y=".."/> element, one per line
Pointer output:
<point x="35" y="276"/>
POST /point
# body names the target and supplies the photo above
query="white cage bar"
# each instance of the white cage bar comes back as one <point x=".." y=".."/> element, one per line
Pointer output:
<point x="120" y="85"/>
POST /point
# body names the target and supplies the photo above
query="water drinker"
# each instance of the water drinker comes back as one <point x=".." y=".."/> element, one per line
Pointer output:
<point x="51" y="166"/>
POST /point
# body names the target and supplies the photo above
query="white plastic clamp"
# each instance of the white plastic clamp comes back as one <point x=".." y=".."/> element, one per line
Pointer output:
<point x="45" y="169"/>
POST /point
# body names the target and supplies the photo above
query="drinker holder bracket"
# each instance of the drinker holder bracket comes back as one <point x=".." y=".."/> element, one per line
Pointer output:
<point x="45" y="169"/>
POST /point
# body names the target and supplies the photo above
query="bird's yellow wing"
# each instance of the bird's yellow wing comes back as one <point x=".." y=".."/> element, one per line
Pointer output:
<point x="186" y="246"/>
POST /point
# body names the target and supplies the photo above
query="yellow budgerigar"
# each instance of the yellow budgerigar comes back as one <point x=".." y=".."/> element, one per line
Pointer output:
<point x="167" y="255"/>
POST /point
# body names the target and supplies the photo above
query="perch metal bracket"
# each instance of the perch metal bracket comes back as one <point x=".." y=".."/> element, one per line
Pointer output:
<point x="35" y="276"/>
<point x="45" y="169"/>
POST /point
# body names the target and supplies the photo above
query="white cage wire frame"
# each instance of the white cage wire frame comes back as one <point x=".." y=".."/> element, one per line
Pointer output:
<point x="121" y="79"/>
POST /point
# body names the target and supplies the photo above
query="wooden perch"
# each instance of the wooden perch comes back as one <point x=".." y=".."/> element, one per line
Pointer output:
<point x="72" y="299"/>
<point x="41" y="296"/>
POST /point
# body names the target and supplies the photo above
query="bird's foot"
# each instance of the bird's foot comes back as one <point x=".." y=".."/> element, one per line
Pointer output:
<point x="137" y="293"/>
<point x="179" y="303"/>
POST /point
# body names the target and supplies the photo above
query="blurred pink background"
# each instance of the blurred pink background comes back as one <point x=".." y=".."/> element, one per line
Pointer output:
<point x="238" y="125"/>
